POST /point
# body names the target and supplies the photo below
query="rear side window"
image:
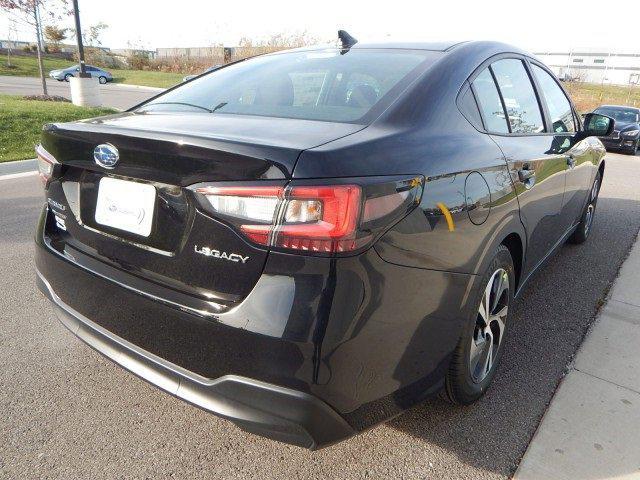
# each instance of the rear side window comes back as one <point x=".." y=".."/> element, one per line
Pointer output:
<point x="489" y="103"/>
<point x="469" y="108"/>
<point x="519" y="96"/>
<point x="559" y="107"/>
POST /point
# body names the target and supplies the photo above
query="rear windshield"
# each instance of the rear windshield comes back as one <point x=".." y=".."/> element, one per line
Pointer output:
<point x="313" y="85"/>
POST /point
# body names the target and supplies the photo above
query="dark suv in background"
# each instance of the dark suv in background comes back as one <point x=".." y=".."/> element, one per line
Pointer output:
<point x="311" y="241"/>
<point x="626" y="129"/>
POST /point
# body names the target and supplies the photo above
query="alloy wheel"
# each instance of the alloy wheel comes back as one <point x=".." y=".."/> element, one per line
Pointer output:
<point x="589" y="214"/>
<point x="490" y="326"/>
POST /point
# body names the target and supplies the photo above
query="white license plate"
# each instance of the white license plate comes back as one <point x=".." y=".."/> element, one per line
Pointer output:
<point x="126" y="205"/>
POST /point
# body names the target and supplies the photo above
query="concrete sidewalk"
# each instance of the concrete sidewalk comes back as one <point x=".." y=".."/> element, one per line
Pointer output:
<point x="592" y="427"/>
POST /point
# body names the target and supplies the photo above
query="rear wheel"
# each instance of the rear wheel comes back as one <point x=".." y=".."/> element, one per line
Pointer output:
<point x="583" y="229"/>
<point x="480" y="346"/>
<point x="67" y="77"/>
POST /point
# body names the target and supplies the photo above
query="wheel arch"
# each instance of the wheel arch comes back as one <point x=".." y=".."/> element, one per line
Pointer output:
<point x="511" y="233"/>
<point x="514" y="244"/>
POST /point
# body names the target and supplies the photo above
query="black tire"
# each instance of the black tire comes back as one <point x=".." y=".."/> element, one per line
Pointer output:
<point x="634" y="150"/>
<point x="67" y="77"/>
<point x="102" y="80"/>
<point x="467" y="380"/>
<point x="583" y="230"/>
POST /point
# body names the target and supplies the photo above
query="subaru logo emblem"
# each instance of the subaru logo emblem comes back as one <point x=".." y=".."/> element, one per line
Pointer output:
<point x="106" y="155"/>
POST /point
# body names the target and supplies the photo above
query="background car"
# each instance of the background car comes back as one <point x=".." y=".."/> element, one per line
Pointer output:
<point x="210" y="69"/>
<point x="63" y="75"/>
<point x="626" y="129"/>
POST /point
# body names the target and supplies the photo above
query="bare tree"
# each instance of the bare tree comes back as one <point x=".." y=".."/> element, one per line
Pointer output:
<point x="12" y="37"/>
<point x="29" y="12"/>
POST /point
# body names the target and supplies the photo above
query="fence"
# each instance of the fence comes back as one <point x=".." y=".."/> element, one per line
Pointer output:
<point x="215" y="55"/>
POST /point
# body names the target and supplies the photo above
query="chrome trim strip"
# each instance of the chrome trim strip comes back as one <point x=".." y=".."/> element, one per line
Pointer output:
<point x="184" y="308"/>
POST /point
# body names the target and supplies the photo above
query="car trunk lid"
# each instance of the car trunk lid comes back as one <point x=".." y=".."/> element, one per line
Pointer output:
<point x="186" y="248"/>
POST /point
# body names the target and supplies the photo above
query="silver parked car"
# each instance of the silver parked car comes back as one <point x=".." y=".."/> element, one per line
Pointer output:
<point x="102" y="75"/>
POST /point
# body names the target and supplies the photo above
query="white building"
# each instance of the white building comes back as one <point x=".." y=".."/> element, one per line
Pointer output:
<point x="594" y="66"/>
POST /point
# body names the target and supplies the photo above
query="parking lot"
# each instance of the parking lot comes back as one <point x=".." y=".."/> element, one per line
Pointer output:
<point x="70" y="413"/>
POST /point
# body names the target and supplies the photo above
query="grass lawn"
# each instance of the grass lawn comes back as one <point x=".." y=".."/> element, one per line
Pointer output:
<point x="28" y="66"/>
<point x="21" y="122"/>
<point x="588" y="96"/>
<point x="23" y="66"/>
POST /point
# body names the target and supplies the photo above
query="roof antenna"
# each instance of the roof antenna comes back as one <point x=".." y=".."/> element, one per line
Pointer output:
<point x="346" y="40"/>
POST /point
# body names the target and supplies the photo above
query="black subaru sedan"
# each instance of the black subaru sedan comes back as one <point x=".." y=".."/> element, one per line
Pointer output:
<point x="309" y="242"/>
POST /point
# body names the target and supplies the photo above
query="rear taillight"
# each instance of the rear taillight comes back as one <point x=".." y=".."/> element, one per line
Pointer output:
<point x="311" y="218"/>
<point x="46" y="165"/>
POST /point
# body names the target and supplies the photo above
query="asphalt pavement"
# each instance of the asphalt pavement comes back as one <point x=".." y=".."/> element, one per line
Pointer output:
<point x="113" y="94"/>
<point x="67" y="412"/>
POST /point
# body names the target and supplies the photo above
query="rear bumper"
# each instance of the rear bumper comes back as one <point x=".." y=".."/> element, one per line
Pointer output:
<point x="275" y="412"/>
<point x="315" y="344"/>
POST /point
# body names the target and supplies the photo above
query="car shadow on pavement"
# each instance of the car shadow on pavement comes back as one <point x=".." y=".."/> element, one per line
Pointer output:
<point x="548" y="324"/>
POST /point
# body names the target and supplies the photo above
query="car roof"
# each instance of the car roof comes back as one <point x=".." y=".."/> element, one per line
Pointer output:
<point x="443" y="46"/>
<point x="476" y="47"/>
<point x="620" y="107"/>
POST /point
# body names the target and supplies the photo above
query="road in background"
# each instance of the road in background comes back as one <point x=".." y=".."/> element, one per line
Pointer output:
<point x="67" y="412"/>
<point x="18" y="166"/>
<point x="113" y="94"/>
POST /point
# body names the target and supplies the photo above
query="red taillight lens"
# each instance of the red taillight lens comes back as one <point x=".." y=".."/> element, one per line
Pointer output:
<point x="334" y="212"/>
<point x="325" y="219"/>
<point x="46" y="165"/>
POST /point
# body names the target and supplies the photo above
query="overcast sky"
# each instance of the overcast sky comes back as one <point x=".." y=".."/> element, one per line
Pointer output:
<point x="538" y="26"/>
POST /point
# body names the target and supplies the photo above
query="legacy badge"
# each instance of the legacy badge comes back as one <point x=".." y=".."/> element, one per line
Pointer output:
<point x="210" y="252"/>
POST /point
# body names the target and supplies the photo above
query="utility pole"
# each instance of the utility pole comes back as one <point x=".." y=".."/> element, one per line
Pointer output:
<point x="76" y="14"/>
<point x="84" y="89"/>
<point x="36" y="17"/>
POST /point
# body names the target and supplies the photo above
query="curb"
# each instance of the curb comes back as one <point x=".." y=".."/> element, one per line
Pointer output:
<point x="18" y="166"/>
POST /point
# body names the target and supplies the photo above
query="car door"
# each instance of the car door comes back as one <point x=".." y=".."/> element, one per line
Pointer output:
<point x="513" y="116"/>
<point x="580" y="158"/>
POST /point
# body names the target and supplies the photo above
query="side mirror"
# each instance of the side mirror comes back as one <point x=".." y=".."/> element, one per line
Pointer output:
<point x="596" y="125"/>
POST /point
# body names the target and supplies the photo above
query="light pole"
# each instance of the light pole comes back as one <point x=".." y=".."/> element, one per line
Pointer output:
<point x="76" y="14"/>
